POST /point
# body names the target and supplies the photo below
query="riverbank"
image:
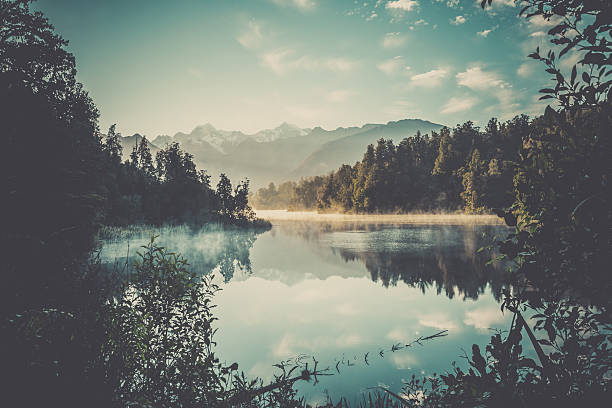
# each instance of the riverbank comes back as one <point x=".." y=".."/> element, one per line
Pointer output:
<point x="446" y="219"/>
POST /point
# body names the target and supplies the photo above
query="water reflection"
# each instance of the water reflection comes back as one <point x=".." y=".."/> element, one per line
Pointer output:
<point x="208" y="249"/>
<point x="340" y="290"/>
<point x="429" y="257"/>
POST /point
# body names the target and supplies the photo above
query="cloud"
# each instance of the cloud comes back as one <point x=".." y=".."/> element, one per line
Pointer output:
<point x="421" y="22"/>
<point x="438" y="321"/>
<point x="538" y="34"/>
<point x="283" y="61"/>
<point x="349" y="340"/>
<point x="476" y="78"/>
<point x="372" y="16"/>
<point x="393" y="65"/>
<point x="452" y="3"/>
<point x="525" y="69"/>
<point x="485" y="33"/>
<point x="394" y="40"/>
<point x="458" y="20"/>
<point x="403" y="5"/>
<point x="455" y="105"/>
<point x="300" y="4"/>
<point x="491" y="84"/>
<point x="540" y="21"/>
<point x="483" y="318"/>
<point x="251" y="37"/>
<point x="403" y="361"/>
<point x="398" y="335"/>
<point x="430" y="79"/>
<point x="340" y="95"/>
<point x="570" y="59"/>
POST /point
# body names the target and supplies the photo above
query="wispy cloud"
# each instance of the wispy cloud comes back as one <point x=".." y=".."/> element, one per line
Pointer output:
<point x="340" y="95"/>
<point x="455" y="104"/>
<point x="284" y="60"/>
<point x="491" y="84"/>
<point x="372" y="16"/>
<point x="539" y="21"/>
<point x="458" y="20"/>
<point x="403" y="5"/>
<point x="300" y="4"/>
<point x="483" y="318"/>
<point x="251" y="37"/>
<point x="430" y="79"/>
<point x="393" y="65"/>
<point x="525" y="69"/>
<point x="394" y="40"/>
<point x="403" y="361"/>
<point x="485" y="33"/>
<point x="476" y="78"/>
<point x="438" y="321"/>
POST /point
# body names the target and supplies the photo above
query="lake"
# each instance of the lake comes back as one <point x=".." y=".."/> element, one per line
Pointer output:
<point x="345" y="291"/>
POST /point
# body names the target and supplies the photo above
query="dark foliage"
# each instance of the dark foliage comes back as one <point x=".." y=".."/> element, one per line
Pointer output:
<point x="460" y="168"/>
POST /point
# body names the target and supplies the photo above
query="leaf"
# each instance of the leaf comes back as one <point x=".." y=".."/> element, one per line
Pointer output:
<point x="586" y="78"/>
<point x="574" y="72"/>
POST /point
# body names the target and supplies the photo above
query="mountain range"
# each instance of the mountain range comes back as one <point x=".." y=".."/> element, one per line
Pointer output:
<point x="286" y="152"/>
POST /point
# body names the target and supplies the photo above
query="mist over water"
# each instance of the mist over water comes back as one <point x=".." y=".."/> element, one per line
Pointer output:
<point x="338" y="290"/>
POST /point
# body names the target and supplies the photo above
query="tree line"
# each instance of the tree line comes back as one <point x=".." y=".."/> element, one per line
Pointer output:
<point x="167" y="188"/>
<point x="463" y="168"/>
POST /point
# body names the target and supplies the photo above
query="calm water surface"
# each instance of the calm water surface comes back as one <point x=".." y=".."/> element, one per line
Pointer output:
<point x="337" y="291"/>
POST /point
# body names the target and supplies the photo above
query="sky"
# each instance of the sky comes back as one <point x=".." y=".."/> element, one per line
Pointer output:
<point x="160" y="67"/>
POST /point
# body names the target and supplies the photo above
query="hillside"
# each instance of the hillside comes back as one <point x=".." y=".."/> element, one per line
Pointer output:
<point x="349" y="149"/>
<point x="279" y="154"/>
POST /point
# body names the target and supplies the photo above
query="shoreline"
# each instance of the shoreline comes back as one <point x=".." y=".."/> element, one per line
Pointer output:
<point x="424" y="218"/>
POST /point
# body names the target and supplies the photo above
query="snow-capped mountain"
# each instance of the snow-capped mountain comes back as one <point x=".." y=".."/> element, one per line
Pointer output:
<point x="284" y="131"/>
<point x="283" y="153"/>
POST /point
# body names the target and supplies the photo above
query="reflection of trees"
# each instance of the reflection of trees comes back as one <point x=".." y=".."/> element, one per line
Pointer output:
<point x="450" y="266"/>
<point x="225" y="251"/>
<point x="449" y="262"/>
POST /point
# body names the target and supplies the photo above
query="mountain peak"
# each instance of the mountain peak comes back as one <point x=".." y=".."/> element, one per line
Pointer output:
<point x="206" y="128"/>
<point x="286" y="126"/>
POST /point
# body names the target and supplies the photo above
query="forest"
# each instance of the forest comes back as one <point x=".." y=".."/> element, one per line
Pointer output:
<point x="74" y="335"/>
<point x="456" y="169"/>
<point x="167" y="189"/>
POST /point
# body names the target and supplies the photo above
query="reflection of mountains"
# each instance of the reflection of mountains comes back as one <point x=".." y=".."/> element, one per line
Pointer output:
<point x="439" y="257"/>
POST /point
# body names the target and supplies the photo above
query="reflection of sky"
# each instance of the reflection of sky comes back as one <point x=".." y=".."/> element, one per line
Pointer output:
<point x="303" y="298"/>
<point x="312" y="292"/>
<point x="264" y="321"/>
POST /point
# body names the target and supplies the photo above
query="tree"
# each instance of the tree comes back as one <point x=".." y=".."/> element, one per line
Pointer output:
<point x="242" y="210"/>
<point x="33" y="54"/>
<point x="112" y="145"/>
<point x="583" y="27"/>
<point x="224" y="196"/>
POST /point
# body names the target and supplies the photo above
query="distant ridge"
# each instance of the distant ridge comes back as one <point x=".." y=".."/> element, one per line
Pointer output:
<point x="283" y="153"/>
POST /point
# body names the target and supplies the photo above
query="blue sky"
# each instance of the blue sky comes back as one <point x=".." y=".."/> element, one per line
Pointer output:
<point x="158" y="67"/>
